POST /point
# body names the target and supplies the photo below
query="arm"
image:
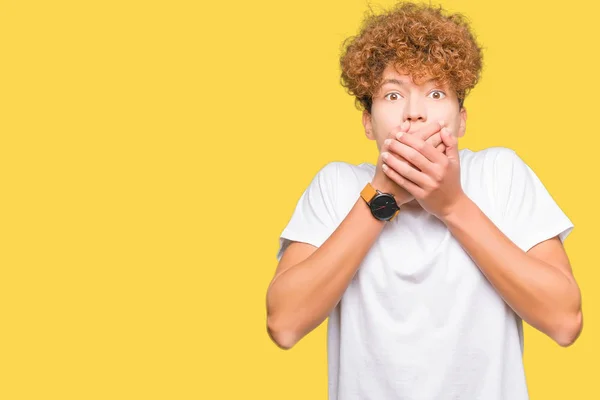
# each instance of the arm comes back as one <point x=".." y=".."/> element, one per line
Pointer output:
<point x="538" y="285"/>
<point x="309" y="281"/>
<point x="304" y="292"/>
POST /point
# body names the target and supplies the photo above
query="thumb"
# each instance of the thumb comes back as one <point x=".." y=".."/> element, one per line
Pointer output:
<point x="451" y="143"/>
<point x="405" y="126"/>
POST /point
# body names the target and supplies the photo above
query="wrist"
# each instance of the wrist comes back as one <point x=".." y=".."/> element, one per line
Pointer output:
<point x="460" y="210"/>
<point x="400" y="195"/>
<point x="383" y="204"/>
<point x="382" y="186"/>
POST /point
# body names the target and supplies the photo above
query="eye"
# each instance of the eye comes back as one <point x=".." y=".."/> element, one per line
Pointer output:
<point x="393" y="96"/>
<point x="437" y="95"/>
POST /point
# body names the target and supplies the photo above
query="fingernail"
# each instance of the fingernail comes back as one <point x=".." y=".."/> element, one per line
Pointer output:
<point x="387" y="142"/>
<point x="399" y="135"/>
<point x="384" y="155"/>
<point x="442" y="123"/>
<point x="405" y="125"/>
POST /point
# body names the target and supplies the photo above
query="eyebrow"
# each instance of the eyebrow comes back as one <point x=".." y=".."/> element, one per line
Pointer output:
<point x="399" y="82"/>
<point x="394" y="81"/>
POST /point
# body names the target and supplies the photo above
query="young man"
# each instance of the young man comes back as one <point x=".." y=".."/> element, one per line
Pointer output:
<point x="428" y="262"/>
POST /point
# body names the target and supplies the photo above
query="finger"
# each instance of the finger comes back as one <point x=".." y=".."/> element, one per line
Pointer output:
<point x="414" y="150"/>
<point x="404" y="183"/>
<point x="404" y="128"/>
<point x="421" y="153"/>
<point x="435" y="139"/>
<point x="441" y="148"/>
<point x="406" y="171"/>
<point x="428" y="130"/>
<point x="451" y="144"/>
<point x="409" y="155"/>
<point x="387" y="148"/>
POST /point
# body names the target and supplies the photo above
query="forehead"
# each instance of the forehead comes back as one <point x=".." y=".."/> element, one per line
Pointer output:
<point x="392" y="76"/>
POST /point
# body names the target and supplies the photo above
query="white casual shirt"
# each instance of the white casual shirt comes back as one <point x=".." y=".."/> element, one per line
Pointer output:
<point x="419" y="320"/>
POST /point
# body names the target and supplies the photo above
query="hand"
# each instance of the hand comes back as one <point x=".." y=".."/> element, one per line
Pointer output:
<point x="434" y="177"/>
<point x="382" y="182"/>
<point x="430" y="133"/>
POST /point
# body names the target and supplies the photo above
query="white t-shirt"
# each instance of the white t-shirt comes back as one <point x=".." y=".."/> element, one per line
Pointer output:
<point x="419" y="321"/>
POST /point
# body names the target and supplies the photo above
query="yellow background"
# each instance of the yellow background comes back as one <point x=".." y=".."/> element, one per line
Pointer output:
<point x="151" y="153"/>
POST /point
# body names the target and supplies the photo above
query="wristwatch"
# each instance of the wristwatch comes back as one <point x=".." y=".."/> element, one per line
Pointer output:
<point x="383" y="205"/>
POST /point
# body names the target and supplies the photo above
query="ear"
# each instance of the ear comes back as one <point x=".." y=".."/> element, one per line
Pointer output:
<point x="463" y="122"/>
<point x="366" y="121"/>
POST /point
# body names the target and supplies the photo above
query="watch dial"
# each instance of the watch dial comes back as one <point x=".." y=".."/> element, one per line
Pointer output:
<point x="383" y="206"/>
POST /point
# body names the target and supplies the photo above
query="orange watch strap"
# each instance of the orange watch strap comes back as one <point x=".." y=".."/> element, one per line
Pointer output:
<point x="368" y="193"/>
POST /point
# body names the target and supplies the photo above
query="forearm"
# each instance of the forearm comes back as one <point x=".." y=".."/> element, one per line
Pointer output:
<point x="303" y="296"/>
<point x="542" y="295"/>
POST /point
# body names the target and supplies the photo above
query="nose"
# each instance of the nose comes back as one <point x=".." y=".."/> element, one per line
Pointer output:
<point x="414" y="110"/>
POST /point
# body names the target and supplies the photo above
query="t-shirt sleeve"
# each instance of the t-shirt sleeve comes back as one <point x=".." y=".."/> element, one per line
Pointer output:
<point x="529" y="215"/>
<point x="313" y="219"/>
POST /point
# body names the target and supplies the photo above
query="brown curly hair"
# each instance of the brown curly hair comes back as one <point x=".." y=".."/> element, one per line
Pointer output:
<point x="423" y="40"/>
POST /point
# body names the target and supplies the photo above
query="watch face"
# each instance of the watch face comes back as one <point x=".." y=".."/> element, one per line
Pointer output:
<point x="383" y="207"/>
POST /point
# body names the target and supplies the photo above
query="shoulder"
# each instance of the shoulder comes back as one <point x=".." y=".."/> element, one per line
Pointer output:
<point x="505" y="171"/>
<point x="494" y="162"/>
<point x="340" y="171"/>
<point x="487" y="177"/>
<point x="341" y="183"/>
<point x="491" y="155"/>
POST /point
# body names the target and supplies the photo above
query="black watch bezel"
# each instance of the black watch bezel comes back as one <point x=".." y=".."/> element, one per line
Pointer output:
<point x="385" y="200"/>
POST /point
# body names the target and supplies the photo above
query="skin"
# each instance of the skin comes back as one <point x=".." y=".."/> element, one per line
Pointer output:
<point x="423" y="169"/>
<point x="538" y="284"/>
<point x="400" y="105"/>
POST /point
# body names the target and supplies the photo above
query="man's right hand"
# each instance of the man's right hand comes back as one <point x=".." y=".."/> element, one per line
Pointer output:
<point x="431" y="133"/>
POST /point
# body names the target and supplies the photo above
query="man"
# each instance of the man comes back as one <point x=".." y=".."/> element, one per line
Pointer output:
<point x="428" y="262"/>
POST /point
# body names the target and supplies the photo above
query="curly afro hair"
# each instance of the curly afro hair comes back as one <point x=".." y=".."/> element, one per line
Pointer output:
<point x="421" y="40"/>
